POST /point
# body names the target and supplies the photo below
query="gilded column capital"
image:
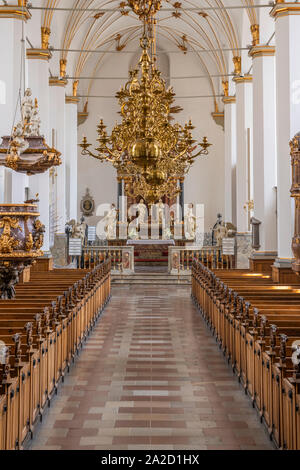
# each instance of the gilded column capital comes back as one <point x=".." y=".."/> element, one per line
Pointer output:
<point x="18" y="12"/>
<point x="41" y="54"/>
<point x="242" y="79"/>
<point x="229" y="99"/>
<point x="237" y="62"/>
<point x="261" y="50"/>
<point x="285" y="9"/>
<point x="72" y="99"/>
<point x="55" y="81"/>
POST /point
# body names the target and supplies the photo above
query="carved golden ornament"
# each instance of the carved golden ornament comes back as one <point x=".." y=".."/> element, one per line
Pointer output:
<point x="225" y="87"/>
<point x="20" y="242"/>
<point x="254" y="28"/>
<point x="29" y="242"/>
<point x="145" y="8"/>
<point x="45" y="34"/>
<point x="7" y="241"/>
<point x="75" y="86"/>
<point x="295" y="144"/>
<point x="237" y="62"/>
<point x="62" y="67"/>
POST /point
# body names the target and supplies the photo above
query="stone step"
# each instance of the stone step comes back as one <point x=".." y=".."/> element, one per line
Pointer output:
<point x="151" y="278"/>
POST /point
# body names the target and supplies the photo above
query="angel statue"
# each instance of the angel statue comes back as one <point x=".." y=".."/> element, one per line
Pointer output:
<point x="18" y="141"/>
<point x="111" y="220"/>
<point x="27" y="106"/>
<point x="142" y="208"/>
<point x="77" y="230"/>
<point x="190" y="223"/>
<point x="35" y="122"/>
<point x="160" y="208"/>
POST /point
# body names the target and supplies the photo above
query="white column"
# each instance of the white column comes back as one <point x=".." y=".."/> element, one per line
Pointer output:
<point x="243" y="148"/>
<point x="71" y="152"/>
<point x="12" y="184"/>
<point x="230" y="158"/>
<point x="38" y="81"/>
<point x="287" y="38"/>
<point x="57" y="126"/>
<point x="264" y="145"/>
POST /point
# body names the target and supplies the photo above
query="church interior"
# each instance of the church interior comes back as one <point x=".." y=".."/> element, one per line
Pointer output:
<point x="149" y="225"/>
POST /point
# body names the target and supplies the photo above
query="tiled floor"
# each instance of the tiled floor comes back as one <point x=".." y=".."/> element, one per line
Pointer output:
<point x="151" y="376"/>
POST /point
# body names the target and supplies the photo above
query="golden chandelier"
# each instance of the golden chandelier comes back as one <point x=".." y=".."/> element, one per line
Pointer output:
<point x="148" y="152"/>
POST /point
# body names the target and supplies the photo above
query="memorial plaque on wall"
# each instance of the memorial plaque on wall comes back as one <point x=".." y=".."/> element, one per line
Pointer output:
<point x="75" y="246"/>
<point x="228" y="245"/>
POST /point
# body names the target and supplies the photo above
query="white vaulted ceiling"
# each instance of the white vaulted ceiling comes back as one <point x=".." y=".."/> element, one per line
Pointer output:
<point x="187" y="27"/>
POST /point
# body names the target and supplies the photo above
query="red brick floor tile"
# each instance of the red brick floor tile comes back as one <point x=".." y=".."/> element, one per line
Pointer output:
<point x="150" y="366"/>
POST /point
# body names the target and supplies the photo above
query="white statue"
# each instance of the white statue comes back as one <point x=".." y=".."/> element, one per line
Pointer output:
<point x="18" y="142"/>
<point x="142" y="208"/>
<point x="27" y="106"/>
<point x="190" y="223"/>
<point x="77" y="229"/>
<point x="111" y="218"/>
<point x="221" y="232"/>
<point x="35" y="122"/>
<point x="160" y="211"/>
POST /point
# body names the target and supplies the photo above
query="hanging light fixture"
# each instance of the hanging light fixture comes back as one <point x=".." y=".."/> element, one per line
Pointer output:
<point x="25" y="150"/>
<point x="149" y="152"/>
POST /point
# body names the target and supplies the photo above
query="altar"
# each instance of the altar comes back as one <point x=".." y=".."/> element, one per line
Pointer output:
<point x="151" y="252"/>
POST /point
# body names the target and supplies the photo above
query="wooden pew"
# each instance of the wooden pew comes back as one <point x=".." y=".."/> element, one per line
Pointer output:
<point x="43" y="329"/>
<point x="247" y="314"/>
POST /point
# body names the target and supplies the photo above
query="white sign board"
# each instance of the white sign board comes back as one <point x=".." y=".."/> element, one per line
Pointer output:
<point x="91" y="234"/>
<point x="228" y="245"/>
<point x="75" y="246"/>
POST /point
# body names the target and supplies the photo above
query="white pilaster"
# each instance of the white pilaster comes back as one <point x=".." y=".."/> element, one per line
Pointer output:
<point x="287" y="38"/>
<point x="38" y="81"/>
<point x="243" y="148"/>
<point x="71" y="152"/>
<point x="264" y="144"/>
<point x="230" y="158"/>
<point x="12" y="184"/>
<point x="57" y="126"/>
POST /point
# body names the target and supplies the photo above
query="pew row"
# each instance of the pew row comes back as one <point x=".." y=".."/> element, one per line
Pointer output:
<point x="41" y="332"/>
<point x="257" y="326"/>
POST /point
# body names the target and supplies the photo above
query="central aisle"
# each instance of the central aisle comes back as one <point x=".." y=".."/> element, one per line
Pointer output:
<point x="151" y="376"/>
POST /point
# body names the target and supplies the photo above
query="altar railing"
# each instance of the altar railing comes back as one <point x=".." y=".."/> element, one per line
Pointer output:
<point x="180" y="258"/>
<point x="122" y="257"/>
